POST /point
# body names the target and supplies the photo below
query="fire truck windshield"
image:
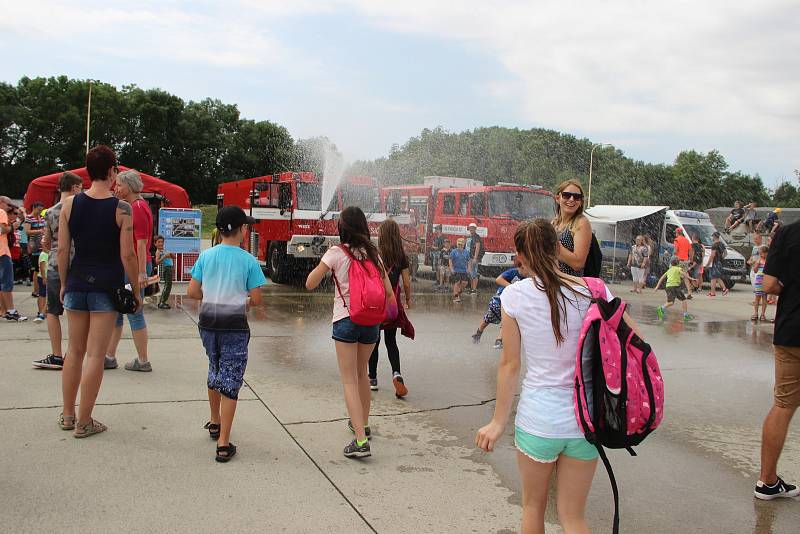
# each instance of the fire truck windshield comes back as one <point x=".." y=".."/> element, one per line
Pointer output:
<point x="520" y="205"/>
<point x="363" y="196"/>
<point x="309" y="196"/>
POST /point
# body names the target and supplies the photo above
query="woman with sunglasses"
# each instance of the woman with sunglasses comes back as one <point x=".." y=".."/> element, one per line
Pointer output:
<point x="573" y="228"/>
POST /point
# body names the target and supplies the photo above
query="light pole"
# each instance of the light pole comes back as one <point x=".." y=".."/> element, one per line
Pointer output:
<point x="591" y="158"/>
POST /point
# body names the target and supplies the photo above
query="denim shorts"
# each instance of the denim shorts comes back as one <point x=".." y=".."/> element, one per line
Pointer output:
<point x="547" y="450"/>
<point x="88" y="301"/>
<point x="227" y="360"/>
<point x="136" y="320"/>
<point x="347" y="331"/>
<point x="6" y="273"/>
<point x="473" y="271"/>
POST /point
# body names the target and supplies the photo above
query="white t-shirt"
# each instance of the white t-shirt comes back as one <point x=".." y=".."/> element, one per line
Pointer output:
<point x="339" y="262"/>
<point x="546" y="401"/>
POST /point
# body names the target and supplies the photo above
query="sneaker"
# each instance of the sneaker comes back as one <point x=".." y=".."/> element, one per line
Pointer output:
<point x="367" y="430"/>
<point x="28" y="283"/>
<point x="39" y="318"/>
<point x="373" y="384"/>
<point x="660" y="312"/>
<point x="136" y="365"/>
<point x="476" y="337"/>
<point x="498" y="343"/>
<point x="456" y="299"/>
<point x="50" y="362"/>
<point x="14" y="317"/>
<point x="688" y="317"/>
<point x="400" y="389"/>
<point x="164" y="306"/>
<point x="354" y="450"/>
<point x="110" y="362"/>
<point x="777" y="490"/>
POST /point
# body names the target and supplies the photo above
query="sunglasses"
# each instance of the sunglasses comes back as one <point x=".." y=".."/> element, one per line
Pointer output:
<point x="566" y="195"/>
<point x="116" y="169"/>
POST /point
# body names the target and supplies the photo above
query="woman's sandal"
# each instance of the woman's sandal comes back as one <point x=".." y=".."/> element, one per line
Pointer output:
<point x="213" y="430"/>
<point x="763" y="318"/>
<point x="66" y="422"/>
<point x="754" y="318"/>
<point x="229" y="450"/>
<point x="89" y="429"/>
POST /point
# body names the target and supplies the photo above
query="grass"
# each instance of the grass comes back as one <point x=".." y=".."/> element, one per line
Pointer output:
<point x="209" y="216"/>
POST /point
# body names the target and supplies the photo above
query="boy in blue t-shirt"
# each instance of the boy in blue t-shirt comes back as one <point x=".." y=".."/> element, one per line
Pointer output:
<point x="459" y="258"/>
<point x="493" y="316"/>
<point x="226" y="279"/>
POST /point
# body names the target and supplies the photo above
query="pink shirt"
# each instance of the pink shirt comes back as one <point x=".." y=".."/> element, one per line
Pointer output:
<point x="4" y="251"/>
<point x="339" y="262"/>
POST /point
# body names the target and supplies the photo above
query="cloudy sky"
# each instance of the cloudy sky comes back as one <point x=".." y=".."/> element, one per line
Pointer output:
<point x="653" y="78"/>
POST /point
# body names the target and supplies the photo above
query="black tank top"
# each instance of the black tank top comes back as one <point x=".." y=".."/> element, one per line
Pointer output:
<point x="94" y="231"/>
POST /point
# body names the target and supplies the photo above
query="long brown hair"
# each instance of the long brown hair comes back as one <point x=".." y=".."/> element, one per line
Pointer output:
<point x="390" y="244"/>
<point x="537" y="242"/>
<point x="559" y="222"/>
<point x="353" y="231"/>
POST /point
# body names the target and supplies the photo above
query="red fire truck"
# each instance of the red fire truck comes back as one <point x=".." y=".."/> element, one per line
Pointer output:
<point x="292" y="231"/>
<point x="451" y="204"/>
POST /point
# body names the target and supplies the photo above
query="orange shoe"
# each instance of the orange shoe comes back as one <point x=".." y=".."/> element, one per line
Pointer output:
<point x="400" y="389"/>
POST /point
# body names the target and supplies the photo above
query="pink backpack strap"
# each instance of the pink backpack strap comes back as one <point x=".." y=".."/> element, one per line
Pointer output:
<point x="335" y="281"/>
<point x="596" y="286"/>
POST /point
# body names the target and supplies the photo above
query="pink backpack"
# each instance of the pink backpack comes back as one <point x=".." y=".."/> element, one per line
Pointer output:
<point x="619" y="392"/>
<point x="367" y="292"/>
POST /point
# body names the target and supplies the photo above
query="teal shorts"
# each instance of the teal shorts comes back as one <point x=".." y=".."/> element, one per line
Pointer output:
<point x="547" y="450"/>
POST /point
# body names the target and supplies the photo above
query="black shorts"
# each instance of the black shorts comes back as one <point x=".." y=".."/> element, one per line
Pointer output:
<point x="459" y="277"/>
<point x="54" y="305"/>
<point x="675" y="293"/>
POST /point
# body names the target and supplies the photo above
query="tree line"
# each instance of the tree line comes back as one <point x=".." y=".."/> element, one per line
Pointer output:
<point x="198" y="145"/>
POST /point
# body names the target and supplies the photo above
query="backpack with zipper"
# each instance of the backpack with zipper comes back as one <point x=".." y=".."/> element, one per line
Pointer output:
<point x="367" y="292"/>
<point x="619" y="391"/>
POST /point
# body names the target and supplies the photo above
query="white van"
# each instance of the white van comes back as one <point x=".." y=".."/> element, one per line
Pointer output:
<point x="734" y="268"/>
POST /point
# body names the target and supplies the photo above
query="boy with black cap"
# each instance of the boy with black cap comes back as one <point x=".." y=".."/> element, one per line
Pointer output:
<point x="226" y="279"/>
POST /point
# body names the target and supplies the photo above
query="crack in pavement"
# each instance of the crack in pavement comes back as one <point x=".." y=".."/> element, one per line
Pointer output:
<point x="123" y="403"/>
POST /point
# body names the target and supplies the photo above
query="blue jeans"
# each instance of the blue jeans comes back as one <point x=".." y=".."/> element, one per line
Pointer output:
<point x="136" y="320"/>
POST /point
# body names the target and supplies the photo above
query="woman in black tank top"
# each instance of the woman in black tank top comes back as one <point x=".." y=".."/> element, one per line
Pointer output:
<point x="100" y="227"/>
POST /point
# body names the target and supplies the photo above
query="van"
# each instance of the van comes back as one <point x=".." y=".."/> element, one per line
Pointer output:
<point x="734" y="268"/>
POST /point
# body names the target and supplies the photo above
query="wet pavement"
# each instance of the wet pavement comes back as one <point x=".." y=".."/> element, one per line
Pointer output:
<point x="153" y="469"/>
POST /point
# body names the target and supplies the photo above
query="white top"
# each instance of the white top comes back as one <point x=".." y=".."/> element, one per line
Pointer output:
<point x="546" y="401"/>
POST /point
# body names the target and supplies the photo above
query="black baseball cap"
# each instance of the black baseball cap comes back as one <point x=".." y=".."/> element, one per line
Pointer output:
<point x="232" y="217"/>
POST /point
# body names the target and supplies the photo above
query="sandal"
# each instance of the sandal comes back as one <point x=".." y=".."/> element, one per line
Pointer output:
<point x="89" y="429"/>
<point x="213" y="430"/>
<point x="754" y="318"/>
<point x="229" y="450"/>
<point x="66" y="422"/>
<point x="763" y="318"/>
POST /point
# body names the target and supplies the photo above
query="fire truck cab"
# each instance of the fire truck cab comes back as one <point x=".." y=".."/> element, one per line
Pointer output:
<point x="292" y="232"/>
<point x="497" y="210"/>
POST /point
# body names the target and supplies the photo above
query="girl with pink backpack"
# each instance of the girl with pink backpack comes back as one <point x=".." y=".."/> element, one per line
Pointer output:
<point x="360" y="305"/>
<point x="542" y="318"/>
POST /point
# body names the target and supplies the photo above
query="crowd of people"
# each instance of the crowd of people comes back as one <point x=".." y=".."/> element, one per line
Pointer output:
<point x="92" y="244"/>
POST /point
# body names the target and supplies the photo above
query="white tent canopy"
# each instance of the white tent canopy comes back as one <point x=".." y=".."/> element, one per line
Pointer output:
<point x="614" y="214"/>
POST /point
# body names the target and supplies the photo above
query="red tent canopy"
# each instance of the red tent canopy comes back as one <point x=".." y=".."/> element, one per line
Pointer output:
<point x="45" y="189"/>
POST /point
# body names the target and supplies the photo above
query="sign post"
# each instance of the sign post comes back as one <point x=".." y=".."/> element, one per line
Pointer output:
<point x="181" y="231"/>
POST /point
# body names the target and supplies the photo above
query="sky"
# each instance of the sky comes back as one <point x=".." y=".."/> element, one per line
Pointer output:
<point x="651" y="78"/>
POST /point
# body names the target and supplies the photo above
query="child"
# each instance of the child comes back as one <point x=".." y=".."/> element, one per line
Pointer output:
<point x="674" y="276"/>
<point x="459" y="277"/>
<point x="164" y="259"/>
<point x="226" y="279"/>
<point x="444" y="264"/>
<point x="41" y="276"/>
<point x="492" y="316"/>
<point x="758" y="285"/>
<point x="353" y="342"/>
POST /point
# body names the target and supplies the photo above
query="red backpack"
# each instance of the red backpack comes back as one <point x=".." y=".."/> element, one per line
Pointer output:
<point x="367" y="292"/>
<point x="617" y="375"/>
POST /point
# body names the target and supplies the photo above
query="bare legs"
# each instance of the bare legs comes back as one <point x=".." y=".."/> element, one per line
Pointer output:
<point x="573" y="480"/>
<point x="89" y="334"/>
<point x="140" y="339"/>
<point x="773" y="435"/>
<point x="353" y="361"/>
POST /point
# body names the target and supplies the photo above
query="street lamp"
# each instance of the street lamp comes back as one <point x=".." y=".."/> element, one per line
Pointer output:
<point x="591" y="158"/>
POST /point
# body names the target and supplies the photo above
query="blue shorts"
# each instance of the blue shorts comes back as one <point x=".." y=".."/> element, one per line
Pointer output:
<point x="88" y="301"/>
<point x="347" y="331"/>
<point x="547" y="450"/>
<point x="6" y="274"/>
<point x="473" y="271"/>
<point x="136" y="320"/>
<point x="227" y="360"/>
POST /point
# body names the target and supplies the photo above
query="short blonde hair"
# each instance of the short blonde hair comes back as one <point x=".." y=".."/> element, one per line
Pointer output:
<point x="460" y="241"/>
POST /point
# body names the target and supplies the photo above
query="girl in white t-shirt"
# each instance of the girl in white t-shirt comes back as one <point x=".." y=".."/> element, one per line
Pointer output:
<point x="354" y="343"/>
<point x="541" y="318"/>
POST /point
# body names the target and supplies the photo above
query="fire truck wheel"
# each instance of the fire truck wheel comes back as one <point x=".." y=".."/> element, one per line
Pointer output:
<point x="278" y="264"/>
